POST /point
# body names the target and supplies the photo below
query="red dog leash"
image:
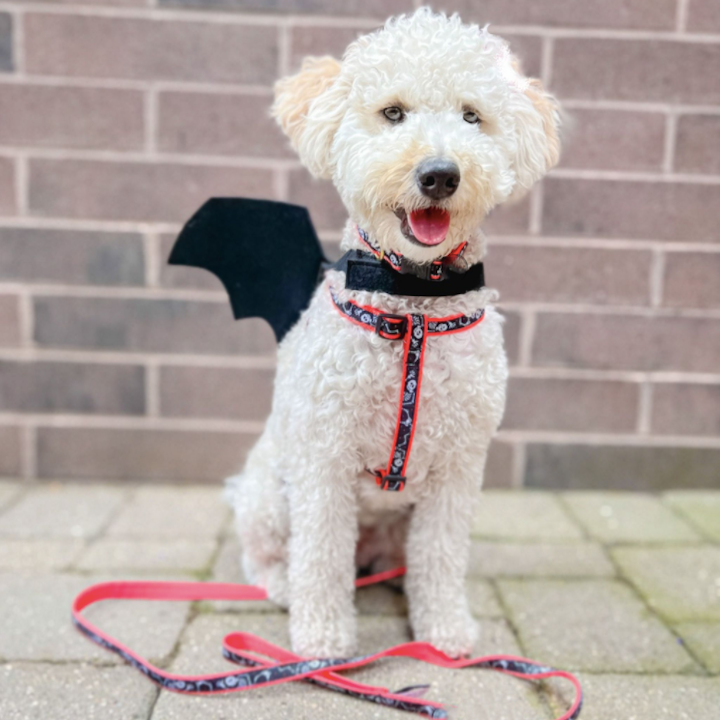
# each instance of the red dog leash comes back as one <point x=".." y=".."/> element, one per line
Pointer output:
<point x="268" y="664"/>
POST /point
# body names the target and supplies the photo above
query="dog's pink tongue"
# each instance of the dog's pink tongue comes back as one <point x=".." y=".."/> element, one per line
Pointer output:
<point x="430" y="225"/>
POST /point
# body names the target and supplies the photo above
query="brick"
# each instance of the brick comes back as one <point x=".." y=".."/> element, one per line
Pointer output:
<point x="67" y="117"/>
<point x="71" y="257"/>
<point x="61" y="512"/>
<point x="36" y="626"/>
<point x="216" y="392"/>
<point x="627" y="518"/>
<point x="147" y="326"/>
<point x="575" y="405"/>
<point x="509" y="219"/>
<point x="626" y="342"/>
<point x="35" y="692"/>
<point x="6" y="43"/>
<point x="141" y="454"/>
<point x="311" y="40"/>
<point x="703" y="16"/>
<point x="697" y="136"/>
<point x="320" y="197"/>
<point x="703" y="640"/>
<point x="701" y="509"/>
<point x="354" y="8"/>
<point x="620" y="467"/>
<point x="593" y="625"/>
<point x="700" y="409"/>
<point x="219" y="124"/>
<point x="642" y="14"/>
<point x="522" y="516"/>
<point x="644" y="210"/>
<point x="614" y="140"/>
<point x="145" y="49"/>
<point x="10" y="451"/>
<point x="680" y="583"/>
<point x="597" y="69"/>
<point x="40" y="387"/>
<point x="691" y="280"/>
<point x="570" y="274"/>
<point x="177" y="556"/>
<point x="538" y="559"/>
<point x="8" y="197"/>
<point x="136" y="191"/>
<point x="107" y="3"/>
<point x="499" y="468"/>
<point x="10" y="332"/>
<point x="171" y="513"/>
<point x="38" y="555"/>
<point x="511" y="335"/>
<point x="643" y="697"/>
<point x="178" y="276"/>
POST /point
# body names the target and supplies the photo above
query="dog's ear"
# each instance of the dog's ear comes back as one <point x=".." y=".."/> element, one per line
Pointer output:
<point x="538" y="127"/>
<point x="309" y="107"/>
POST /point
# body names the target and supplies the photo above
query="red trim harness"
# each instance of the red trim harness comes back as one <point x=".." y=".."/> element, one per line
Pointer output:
<point x="268" y="664"/>
<point x="413" y="330"/>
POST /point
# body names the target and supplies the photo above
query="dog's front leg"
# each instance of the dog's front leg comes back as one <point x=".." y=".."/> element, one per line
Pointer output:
<point x="437" y="556"/>
<point x="321" y="573"/>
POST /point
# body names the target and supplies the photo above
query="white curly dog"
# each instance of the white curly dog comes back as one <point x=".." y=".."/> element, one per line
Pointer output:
<point x="424" y="127"/>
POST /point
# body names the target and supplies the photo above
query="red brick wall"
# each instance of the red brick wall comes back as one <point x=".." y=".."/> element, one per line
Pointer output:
<point x="119" y="117"/>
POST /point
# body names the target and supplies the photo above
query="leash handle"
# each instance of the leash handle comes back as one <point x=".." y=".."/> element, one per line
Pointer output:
<point x="268" y="664"/>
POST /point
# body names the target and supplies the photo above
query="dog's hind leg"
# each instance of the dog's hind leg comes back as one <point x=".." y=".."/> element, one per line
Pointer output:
<point x="261" y="519"/>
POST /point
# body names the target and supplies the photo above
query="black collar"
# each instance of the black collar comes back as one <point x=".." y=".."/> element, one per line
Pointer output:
<point x="363" y="271"/>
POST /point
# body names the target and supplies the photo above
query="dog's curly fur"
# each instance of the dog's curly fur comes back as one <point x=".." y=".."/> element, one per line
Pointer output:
<point x="303" y="502"/>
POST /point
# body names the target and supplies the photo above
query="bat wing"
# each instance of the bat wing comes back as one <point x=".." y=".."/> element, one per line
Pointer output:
<point x="266" y="254"/>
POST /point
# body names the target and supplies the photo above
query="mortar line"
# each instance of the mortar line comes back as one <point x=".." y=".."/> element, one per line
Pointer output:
<point x="681" y="16"/>
<point x="645" y="397"/>
<point x="657" y="277"/>
<point x="671" y="121"/>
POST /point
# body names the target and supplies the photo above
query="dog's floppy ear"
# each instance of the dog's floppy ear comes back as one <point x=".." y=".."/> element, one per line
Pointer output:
<point x="309" y="107"/>
<point x="538" y="128"/>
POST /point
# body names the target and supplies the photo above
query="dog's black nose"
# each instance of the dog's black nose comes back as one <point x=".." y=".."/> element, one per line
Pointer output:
<point x="438" y="178"/>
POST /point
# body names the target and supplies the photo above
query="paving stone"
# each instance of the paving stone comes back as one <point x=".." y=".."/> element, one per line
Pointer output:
<point x="382" y="599"/>
<point x="176" y="555"/>
<point x="701" y="508"/>
<point x="172" y="512"/>
<point x="591" y="625"/>
<point x="681" y="583"/>
<point x="39" y="555"/>
<point x="71" y="692"/>
<point x="36" y="620"/>
<point x="627" y="517"/>
<point x="703" y="639"/>
<point x="200" y="652"/>
<point x="634" y="697"/>
<point x="507" y="559"/>
<point x="8" y="492"/>
<point x="523" y="516"/>
<point x="62" y="511"/>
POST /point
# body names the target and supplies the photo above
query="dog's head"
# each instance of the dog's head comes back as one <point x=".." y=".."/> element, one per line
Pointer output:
<point x="424" y="127"/>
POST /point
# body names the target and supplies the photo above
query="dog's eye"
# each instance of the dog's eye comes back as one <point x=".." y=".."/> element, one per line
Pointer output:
<point x="470" y="116"/>
<point x="394" y="114"/>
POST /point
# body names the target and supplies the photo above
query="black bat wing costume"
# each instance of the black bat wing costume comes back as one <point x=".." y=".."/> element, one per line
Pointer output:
<point x="266" y="254"/>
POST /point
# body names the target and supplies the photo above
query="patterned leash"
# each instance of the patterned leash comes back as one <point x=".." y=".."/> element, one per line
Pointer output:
<point x="268" y="664"/>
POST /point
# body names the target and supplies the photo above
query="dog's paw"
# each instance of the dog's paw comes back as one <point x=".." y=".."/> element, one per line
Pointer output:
<point x="455" y="638"/>
<point x="323" y="638"/>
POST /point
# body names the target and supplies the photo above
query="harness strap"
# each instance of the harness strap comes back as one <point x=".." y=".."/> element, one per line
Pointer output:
<point x="268" y="664"/>
<point x="413" y="329"/>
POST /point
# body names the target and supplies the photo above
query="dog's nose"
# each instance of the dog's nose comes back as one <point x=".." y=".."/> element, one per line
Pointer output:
<point x="438" y="178"/>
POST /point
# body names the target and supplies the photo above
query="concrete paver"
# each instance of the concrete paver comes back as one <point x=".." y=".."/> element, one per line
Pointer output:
<point x="38" y="554"/>
<point x="62" y="511"/>
<point x="73" y="692"/>
<point x="681" y="583"/>
<point x="700" y="507"/>
<point x="8" y="492"/>
<point x="560" y="559"/>
<point x="615" y="517"/>
<point x="592" y="625"/>
<point x="703" y="639"/>
<point x="523" y="516"/>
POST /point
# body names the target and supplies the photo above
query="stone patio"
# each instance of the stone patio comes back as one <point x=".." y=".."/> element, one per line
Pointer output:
<point x="624" y="589"/>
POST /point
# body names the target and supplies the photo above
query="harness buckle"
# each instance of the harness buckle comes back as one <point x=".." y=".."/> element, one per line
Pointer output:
<point x="391" y="327"/>
<point x="393" y="483"/>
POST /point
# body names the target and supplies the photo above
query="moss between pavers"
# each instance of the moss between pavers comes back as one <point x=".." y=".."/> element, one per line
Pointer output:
<point x="703" y="639"/>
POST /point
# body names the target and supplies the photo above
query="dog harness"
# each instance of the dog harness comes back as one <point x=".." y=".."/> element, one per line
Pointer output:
<point x="267" y="664"/>
<point x="413" y="330"/>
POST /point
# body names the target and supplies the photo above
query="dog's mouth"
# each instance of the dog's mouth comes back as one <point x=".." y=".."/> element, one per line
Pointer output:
<point x="426" y="226"/>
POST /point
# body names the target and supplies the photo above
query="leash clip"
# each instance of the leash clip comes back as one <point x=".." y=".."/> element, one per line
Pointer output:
<point x="391" y="327"/>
